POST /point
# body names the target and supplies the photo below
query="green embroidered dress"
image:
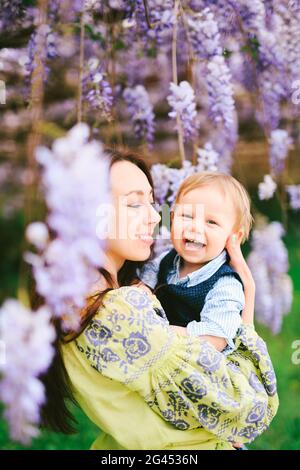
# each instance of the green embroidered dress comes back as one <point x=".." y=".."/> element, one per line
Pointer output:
<point x="147" y="387"/>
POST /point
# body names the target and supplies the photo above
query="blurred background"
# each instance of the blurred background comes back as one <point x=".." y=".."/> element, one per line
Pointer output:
<point x="233" y="106"/>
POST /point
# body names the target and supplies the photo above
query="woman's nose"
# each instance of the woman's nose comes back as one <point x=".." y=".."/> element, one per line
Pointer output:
<point x="154" y="216"/>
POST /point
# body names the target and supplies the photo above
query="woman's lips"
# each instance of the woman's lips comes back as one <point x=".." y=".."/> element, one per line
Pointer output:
<point x="147" y="239"/>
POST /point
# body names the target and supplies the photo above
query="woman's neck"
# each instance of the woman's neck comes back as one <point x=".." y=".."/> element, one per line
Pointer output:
<point x="113" y="264"/>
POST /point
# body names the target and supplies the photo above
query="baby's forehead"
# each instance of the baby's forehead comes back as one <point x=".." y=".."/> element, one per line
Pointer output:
<point x="206" y="192"/>
<point x="213" y="196"/>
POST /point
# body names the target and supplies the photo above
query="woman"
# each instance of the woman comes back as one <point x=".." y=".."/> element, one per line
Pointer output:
<point x="135" y="376"/>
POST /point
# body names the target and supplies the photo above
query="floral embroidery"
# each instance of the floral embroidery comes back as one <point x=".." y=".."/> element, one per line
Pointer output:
<point x="257" y="413"/>
<point x="136" y="346"/>
<point x="255" y="383"/>
<point x="97" y="333"/>
<point x="269" y="380"/>
<point x="181" y="424"/>
<point x="251" y="432"/>
<point x="109" y="356"/>
<point x="209" y="358"/>
<point x="138" y="298"/>
<point x="194" y="387"/>
<point x="226" y="400"/>
<point x="234" y="366"/>
<point x="261" y="346"/>
<point x="208" y="417"/>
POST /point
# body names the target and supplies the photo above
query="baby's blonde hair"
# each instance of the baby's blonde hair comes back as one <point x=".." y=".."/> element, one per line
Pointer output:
<point x="230" y="186"/>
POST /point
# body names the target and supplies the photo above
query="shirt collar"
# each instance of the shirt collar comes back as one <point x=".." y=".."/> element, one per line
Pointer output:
<point x="201" y="274"/>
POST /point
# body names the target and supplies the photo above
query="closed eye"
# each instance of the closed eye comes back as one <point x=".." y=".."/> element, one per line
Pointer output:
<point x="134" y="206"/>
<point x="212" y="222"/>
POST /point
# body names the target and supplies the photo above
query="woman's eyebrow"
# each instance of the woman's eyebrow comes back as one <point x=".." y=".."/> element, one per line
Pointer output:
<point x="139" y="192"/>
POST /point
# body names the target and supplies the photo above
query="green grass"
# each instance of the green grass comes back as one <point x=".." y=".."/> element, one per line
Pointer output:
<point x="284" y="432"/>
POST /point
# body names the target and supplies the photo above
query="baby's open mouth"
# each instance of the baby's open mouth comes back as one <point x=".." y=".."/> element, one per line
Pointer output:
<point x="189" y="243"/>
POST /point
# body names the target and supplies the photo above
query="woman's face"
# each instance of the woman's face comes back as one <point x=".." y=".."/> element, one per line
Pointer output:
<point x="133" y="217"/>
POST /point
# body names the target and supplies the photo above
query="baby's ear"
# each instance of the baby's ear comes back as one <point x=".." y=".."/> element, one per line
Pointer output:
<point x="240" y="236"/>
<point x="236" y="237"/>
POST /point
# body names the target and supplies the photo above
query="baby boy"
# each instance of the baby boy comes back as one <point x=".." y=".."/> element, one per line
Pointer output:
<point x="194" y="282"/>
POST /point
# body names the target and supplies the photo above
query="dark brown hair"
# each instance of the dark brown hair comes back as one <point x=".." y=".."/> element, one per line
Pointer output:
<point x="55" y="414"/>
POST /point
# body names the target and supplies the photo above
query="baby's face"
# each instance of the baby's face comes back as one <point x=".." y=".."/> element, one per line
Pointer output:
<point x="204" y="219"/>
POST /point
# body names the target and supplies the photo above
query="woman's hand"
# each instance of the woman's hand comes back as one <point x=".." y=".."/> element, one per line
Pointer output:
<point x="238" y="263"/>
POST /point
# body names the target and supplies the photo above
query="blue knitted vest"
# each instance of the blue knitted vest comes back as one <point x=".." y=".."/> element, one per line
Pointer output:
<point x="183" y="304"/>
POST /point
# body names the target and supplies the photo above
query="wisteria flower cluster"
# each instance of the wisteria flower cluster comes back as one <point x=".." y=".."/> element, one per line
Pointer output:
<point x="280" y="142"/>
<point x="267" y="188"/>
<point x="268" y="262"/>
<point x="141" y="112"/>
<point x="294" y="193"/>
<point x="167" y="180"/>
<point x="75" y="183"/>
<point x="207" y="158"/>
<point x="97" y="89"/>
<point x="41" y="47"/>
<point x="204" y="35"/>
<point x="27" y="338"/>
<point x="161" y="18"/>
<point x="182" y="101"/>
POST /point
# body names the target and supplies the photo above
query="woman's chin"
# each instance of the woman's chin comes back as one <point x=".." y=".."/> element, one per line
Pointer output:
<point x="140" y="254"/>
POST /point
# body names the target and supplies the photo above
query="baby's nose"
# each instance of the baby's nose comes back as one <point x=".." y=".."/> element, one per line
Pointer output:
<point x="198" y="225"/>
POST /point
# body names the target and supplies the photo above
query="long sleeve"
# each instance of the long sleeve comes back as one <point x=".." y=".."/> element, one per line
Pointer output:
<point x="183" y="379"/>
<point x="220" y="315"/>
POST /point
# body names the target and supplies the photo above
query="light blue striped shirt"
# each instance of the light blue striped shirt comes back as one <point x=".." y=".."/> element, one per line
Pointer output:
<point x="220" y="315"/>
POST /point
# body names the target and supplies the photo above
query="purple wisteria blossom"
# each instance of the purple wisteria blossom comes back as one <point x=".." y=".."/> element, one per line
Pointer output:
<point x="41" y="47"/>
<point x="208" y="158"/>
<point x="267" y="188"/>
<point x="182" y="101"/>
<point x="220" y="92"/>
<point x="223" y="12"/>
<point x="268" y="262"/>
<point x="177" y="176"/>
<point x="11" y="12"/>
<point x="204" y="34"/>
<point x="161" y="179"/>
<point x="161" y="18"/>
<point x="280" y="143"/>
<point x="27" y="338"/>
<point x="75" y="178"/>
<point x="252" y="14"/>
<point x="293" y="191"/>
<point x="140" y="111"/>
<point x="97" y="89"/>
<point x="205" y="38"/>
<point x="272" y="92"/>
